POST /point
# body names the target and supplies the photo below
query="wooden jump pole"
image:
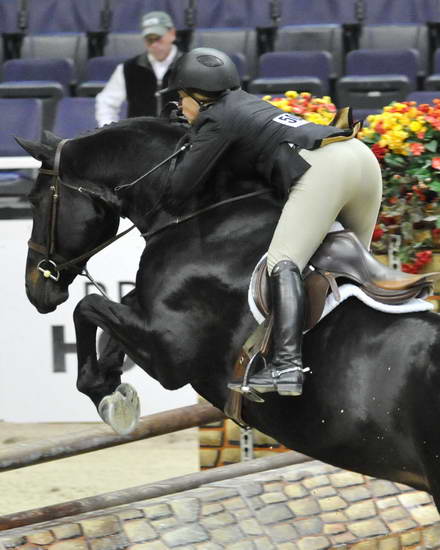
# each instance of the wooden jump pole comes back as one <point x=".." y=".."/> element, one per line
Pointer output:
<point x="101" y="437"/>
<point x="152" y="490"/>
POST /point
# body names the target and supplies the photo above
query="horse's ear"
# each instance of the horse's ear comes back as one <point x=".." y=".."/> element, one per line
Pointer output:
<point x="38" y="150"/>
<point x="49" y="138"/>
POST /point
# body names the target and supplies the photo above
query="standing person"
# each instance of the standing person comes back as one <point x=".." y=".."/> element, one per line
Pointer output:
<point x="322" y="173"/>
<point x="139" y="78"/>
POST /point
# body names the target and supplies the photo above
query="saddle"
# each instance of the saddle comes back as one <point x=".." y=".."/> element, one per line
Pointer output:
<point x="342" y="257"/>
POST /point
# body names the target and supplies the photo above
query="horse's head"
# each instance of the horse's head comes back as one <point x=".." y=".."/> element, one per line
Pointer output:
<point x="71" y="216"/>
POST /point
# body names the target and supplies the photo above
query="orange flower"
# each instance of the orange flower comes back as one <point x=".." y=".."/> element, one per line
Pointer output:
<point x="435" y="163"/>
<point x="417" y="149"/>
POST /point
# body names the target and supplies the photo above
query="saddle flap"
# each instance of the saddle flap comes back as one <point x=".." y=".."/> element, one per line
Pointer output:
<point x="316" y="287"/>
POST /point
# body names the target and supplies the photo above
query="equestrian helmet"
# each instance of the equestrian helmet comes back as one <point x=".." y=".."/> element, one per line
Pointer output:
<point x="204" y="69"/>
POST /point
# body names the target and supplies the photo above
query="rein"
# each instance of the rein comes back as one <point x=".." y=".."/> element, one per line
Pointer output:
<point x="176" y="221"/>
<point x="52" y="264"/>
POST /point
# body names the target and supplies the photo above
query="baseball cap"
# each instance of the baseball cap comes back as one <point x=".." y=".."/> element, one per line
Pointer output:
<point x="156" y="22"/>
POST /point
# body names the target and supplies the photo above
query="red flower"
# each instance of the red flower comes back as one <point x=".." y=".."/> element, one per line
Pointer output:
<point x="435" y="163"/>
<point x="424" y="257"/>
<point x="409" y="268"/>
<point x="377" y="233"/>
<point x="417" y="149"/>
<point x="421" y="135"/>
<point x="425" y="108"/>
<point x="379" y="151"/>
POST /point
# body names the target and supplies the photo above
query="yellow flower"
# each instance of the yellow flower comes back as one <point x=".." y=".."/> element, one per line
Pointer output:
<point x="367" y="132"/>
<point x="291" y="94"/>
<point x="415" y="126"/>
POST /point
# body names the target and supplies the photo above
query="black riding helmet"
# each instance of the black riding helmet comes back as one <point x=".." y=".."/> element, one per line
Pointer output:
<point x="204" y="69"/>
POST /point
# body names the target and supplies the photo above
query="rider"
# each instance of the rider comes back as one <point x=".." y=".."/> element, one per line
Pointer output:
<point x="321" y="171"/>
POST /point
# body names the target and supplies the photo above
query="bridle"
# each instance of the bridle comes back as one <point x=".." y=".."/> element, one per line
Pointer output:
<point x="53" y="264"/>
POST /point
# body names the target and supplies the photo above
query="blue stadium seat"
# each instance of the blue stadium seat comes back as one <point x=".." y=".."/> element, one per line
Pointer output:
<point x="127" y="14"/>
<point x="19" y="117"/>
<point x="423" y="96"/>
<point x="398" y="37"/>
<point x="377" y="77"/>
<point x="97" y="73"/>
<point x="313" y="38"/>
<point x="8" y="16"/>
<point x="231" y="41"/>
<point x="65" y="45"/>
<point x="383" y="62"/>
<point x="300" y="71"/>
<point x="398" y="11"/>
<point x="230" y="13"/>
<point x="124" y="44"/>
<point x="56" y="16"/>
<point x="56" y="70"/>
<point x="306" y="12"/>
<point x="432" y="82"/>
<point x="74" y="116"/>
<point x="45" y="79"/>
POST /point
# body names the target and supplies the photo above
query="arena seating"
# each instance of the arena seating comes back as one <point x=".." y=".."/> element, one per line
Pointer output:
<point x="8" y="15"/>
<point x="66" y="45"/>
<point x="74" y="116"/>
<point x="123" y="44"/>
<point x="19" y="117"/>
<point x="230" y="40"/>
<point x="127" y="14"/>
<point x="309" y="35"/>
<point x="392" y="37"/>
<point x="432" y="82"/>
<point x="97" y="73"/>
<point x="56" y="70"/>
<point x="313" y="37"/>
<point x="59" y="16"/>
<point x="300" y="71"/>
<point x="377" y="77"/>
<point x="423" y="96"/>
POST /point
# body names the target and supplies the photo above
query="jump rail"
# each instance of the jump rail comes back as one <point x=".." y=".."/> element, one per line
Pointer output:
<point x="26" y="454"/>
<point x="152" y="490"/>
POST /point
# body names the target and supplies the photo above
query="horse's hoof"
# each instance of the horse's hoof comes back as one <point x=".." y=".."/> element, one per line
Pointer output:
<point x="121" y="409"/>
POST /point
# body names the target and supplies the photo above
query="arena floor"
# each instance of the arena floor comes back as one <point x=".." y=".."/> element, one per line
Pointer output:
<point x="92" y="473"/>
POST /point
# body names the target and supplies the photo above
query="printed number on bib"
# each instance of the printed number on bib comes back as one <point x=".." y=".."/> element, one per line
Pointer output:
<point x="290" y="120"/>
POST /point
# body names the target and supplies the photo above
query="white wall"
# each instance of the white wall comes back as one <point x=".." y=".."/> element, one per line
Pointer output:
<point x="30" y="390"/>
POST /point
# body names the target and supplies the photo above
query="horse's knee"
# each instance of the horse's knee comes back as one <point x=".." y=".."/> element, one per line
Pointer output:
<point x="88" y="305"/>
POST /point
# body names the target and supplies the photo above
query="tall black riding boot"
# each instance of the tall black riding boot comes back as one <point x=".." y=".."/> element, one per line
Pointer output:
<point x="285" y="372"/>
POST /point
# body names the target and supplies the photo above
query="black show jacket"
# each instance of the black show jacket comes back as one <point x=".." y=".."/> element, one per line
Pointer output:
<point x="245" y="132"/>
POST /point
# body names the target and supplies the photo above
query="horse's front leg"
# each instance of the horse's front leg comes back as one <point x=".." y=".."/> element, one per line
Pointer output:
<point x="111" y="354"/>
<point x="117" y="404"/>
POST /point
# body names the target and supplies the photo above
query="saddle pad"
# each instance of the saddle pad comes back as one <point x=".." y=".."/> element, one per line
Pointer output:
<point x="348" y="291"/>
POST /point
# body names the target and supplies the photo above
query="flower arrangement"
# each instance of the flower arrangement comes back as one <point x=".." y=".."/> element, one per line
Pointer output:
<point x="319" y="110"/>
<point x="405" y="138"/>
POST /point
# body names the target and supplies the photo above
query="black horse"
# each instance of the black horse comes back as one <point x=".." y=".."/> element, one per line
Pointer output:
<point x="371" y="402"/>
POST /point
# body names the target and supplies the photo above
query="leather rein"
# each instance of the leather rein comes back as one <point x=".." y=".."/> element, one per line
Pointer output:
<point x="53" y="264"/>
